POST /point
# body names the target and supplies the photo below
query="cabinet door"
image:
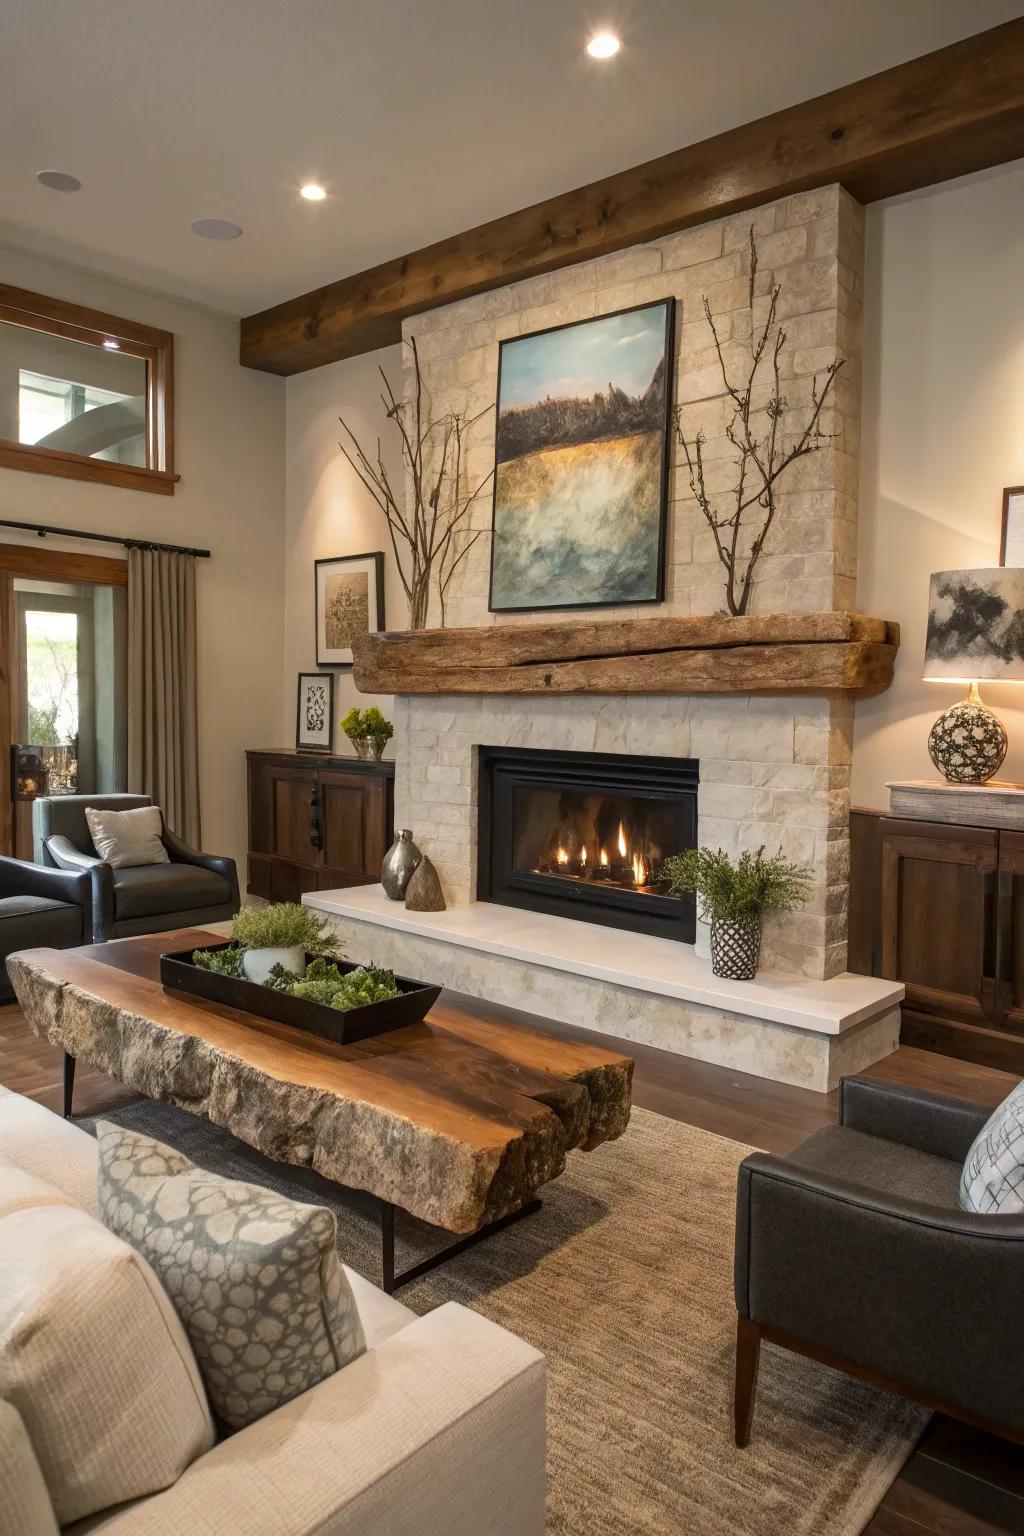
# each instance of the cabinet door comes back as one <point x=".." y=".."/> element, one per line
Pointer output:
<point x="282" y="812"/>
<point x="353" y="827"/>
<point x="1010" y="931"/>
<point x="939" y="916"/>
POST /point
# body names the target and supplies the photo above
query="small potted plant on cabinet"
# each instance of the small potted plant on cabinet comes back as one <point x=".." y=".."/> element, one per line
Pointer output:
<point x="368" y="731"/>
<point x="734" y="898"/>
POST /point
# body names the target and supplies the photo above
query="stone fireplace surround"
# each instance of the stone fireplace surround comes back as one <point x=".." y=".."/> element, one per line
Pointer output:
<point x="774" y="769"/>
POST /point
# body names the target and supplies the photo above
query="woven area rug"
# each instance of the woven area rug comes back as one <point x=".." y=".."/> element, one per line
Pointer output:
<point x="624" y="1281"/>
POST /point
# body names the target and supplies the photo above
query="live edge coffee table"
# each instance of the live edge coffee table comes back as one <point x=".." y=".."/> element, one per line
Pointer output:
<point x="458" y="1122"/>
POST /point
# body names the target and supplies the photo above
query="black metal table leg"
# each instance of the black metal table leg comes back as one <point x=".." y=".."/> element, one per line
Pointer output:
<point x="69" y="1084"/>
<point x="391" y="1281"/>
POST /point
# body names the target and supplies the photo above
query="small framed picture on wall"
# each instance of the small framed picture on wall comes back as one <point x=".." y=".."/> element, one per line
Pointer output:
<point x="349" y="598"/>
<point x="314" y="716"/>
<point x="1011" y="542"/>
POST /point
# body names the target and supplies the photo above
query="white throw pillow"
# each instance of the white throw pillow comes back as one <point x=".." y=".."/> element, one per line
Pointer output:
<point x="126" y="839"/>
<point x="92" y="1355"/>
<point x="992" y="1183"/>
<point x="255" y="1277"/>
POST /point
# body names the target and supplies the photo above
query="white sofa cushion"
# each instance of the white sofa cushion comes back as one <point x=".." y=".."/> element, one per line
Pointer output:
<point x="255" y="1277"/>
<point x="43" y="1143"/>
<point x="92" y="1355"/>
<point x="25" y="1508"/>
<point x="126" y="839"/>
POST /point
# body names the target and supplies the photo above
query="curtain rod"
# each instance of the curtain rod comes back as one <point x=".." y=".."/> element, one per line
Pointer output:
<point x="42" y="529"/>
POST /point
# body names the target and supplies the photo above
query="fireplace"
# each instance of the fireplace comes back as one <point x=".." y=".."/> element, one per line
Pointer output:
<point x="583" y="835"/>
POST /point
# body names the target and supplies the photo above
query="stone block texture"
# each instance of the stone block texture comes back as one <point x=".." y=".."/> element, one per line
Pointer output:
<point x="774" y="770"/>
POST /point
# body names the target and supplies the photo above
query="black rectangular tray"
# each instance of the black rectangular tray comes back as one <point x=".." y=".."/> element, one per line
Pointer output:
<point x="414" y="1001"/>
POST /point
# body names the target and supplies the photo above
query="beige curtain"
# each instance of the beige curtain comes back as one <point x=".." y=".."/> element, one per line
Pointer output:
<point x="163" y="739"/>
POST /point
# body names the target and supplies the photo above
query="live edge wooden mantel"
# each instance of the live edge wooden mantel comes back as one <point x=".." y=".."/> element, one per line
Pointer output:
<point x="767" y="653"/>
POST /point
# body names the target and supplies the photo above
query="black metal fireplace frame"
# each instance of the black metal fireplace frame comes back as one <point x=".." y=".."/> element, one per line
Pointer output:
<point x="653" y="778"/>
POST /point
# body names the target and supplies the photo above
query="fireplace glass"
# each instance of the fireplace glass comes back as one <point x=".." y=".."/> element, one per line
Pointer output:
<point x="613" y="840"/>
<point x="584" y="834"/>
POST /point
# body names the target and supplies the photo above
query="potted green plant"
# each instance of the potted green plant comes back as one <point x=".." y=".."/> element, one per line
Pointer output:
<point x="368" y="731"/>
<point x="734" y="898"/>
<point x="281" y="933"/>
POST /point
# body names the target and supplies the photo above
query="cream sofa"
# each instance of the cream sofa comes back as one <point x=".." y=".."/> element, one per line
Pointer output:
<point x="437" y="1430"/>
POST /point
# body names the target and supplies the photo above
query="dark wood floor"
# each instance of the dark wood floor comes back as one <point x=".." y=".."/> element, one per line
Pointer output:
<point x="959" y="1482"/>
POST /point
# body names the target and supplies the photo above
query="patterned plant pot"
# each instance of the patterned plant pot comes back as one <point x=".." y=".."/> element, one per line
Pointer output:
<point x="735" y="949"/>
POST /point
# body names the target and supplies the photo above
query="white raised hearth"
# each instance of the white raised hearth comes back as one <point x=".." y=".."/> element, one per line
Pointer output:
<point x="630" y="985"/>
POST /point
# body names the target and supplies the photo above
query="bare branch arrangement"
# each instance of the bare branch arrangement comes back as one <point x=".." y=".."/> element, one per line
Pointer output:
<point x="762" y="455"/>
<point x="429" y="524"/>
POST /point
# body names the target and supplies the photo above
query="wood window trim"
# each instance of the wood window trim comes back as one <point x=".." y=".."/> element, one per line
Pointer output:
<point x="56" y="317"/>
<point x="44" y="565"/>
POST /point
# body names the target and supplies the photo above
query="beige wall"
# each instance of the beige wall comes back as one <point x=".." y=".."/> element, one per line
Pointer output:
<point x="229" y="450"/>
<point x="943" y="416"/>
<point x="329" y="512"/>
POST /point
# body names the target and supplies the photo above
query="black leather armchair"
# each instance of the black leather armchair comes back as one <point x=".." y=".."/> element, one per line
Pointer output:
<point x="191" y="889"/>
<point x="854" y="1250"/>
<point x="40" y="908"/>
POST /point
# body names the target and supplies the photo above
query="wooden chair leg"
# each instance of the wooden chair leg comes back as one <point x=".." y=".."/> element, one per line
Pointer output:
<point x="748" y="1355"/>
<point x="69" y="1084"/>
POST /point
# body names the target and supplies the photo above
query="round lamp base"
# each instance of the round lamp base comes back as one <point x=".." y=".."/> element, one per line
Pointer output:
<point x="968" y="742"/>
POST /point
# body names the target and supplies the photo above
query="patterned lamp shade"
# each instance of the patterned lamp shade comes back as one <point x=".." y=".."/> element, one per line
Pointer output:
<point x="976" y="626"/>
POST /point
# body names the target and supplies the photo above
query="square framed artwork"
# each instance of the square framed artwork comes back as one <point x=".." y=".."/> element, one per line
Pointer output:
<point x="314" y="714"/>
<point x="581" y="463"/>
<point x="1011" y="539"/>
<point x="349" y="601"/>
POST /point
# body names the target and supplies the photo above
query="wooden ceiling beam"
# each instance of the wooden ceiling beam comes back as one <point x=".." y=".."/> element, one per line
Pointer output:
<point x="947" y="113"/>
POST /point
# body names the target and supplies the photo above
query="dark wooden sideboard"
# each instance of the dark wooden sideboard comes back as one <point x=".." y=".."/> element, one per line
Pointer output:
<point x="316" y="821"/>
<point x="941" y="908"/>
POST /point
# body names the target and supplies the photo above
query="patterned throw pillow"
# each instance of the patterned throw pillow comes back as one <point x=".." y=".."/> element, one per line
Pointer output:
<point x="254" y="1277"/>
<point x="992" y="1183"/>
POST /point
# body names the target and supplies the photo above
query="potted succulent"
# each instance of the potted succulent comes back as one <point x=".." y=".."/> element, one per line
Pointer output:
<point x="368" y="731"/>
<point x="281" y="933"/>
<point x="734" y="897"/>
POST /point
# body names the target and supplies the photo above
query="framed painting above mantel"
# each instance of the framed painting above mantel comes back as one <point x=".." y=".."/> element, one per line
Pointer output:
<point x="349" y="601"/>
<point x="94" y="397"/>
<point x="581" y="463"/>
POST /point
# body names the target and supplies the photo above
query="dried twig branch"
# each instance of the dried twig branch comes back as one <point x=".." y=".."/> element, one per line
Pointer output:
<point x="429" y="525"/>
<point x="761" y="456"/>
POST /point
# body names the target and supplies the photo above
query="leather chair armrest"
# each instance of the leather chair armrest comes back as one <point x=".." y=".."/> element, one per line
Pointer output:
<point x="66" y="856"/>
<point x="101" y="883"/>
<point x="924" y="1296"/>
<point x="181" y="853"/>
<point x="18" y="878"/>
<point x="928" y="1122"/>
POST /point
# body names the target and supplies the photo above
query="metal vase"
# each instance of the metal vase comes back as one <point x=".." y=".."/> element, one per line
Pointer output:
<point x="400" y="862"/>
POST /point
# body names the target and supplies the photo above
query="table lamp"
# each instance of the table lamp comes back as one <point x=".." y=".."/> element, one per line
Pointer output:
<point x="975" y="634"/>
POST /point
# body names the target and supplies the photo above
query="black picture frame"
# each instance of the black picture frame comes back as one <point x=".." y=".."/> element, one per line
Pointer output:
<point x="658" y="595"/>
<point x="1013" y="509"/>
<point x="304" y="744"/>
<point x="374" y="559"/>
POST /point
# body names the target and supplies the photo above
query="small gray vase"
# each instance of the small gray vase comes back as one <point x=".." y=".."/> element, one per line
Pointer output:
<point x="400" y="862"/>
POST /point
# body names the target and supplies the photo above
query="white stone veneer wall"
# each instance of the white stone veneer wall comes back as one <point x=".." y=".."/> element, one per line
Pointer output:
<point x="774" y="770"/>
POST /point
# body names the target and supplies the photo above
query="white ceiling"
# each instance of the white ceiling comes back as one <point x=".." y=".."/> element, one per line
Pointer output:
<point x="422" y="117"/>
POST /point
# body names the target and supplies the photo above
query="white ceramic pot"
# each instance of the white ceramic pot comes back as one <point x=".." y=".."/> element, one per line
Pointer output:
<point x="258" y="963"/>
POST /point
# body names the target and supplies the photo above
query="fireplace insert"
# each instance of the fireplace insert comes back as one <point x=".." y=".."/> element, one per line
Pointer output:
<point x="583" y="835"/>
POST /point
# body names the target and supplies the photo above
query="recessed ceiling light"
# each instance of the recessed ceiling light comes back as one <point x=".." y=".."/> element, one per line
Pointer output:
<point x="312" y="192"/>
<point x="59" y="181"/>
<point x="603" y="45"/>
<point x="215" y="229"/>
<point x="111" y="345"/>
